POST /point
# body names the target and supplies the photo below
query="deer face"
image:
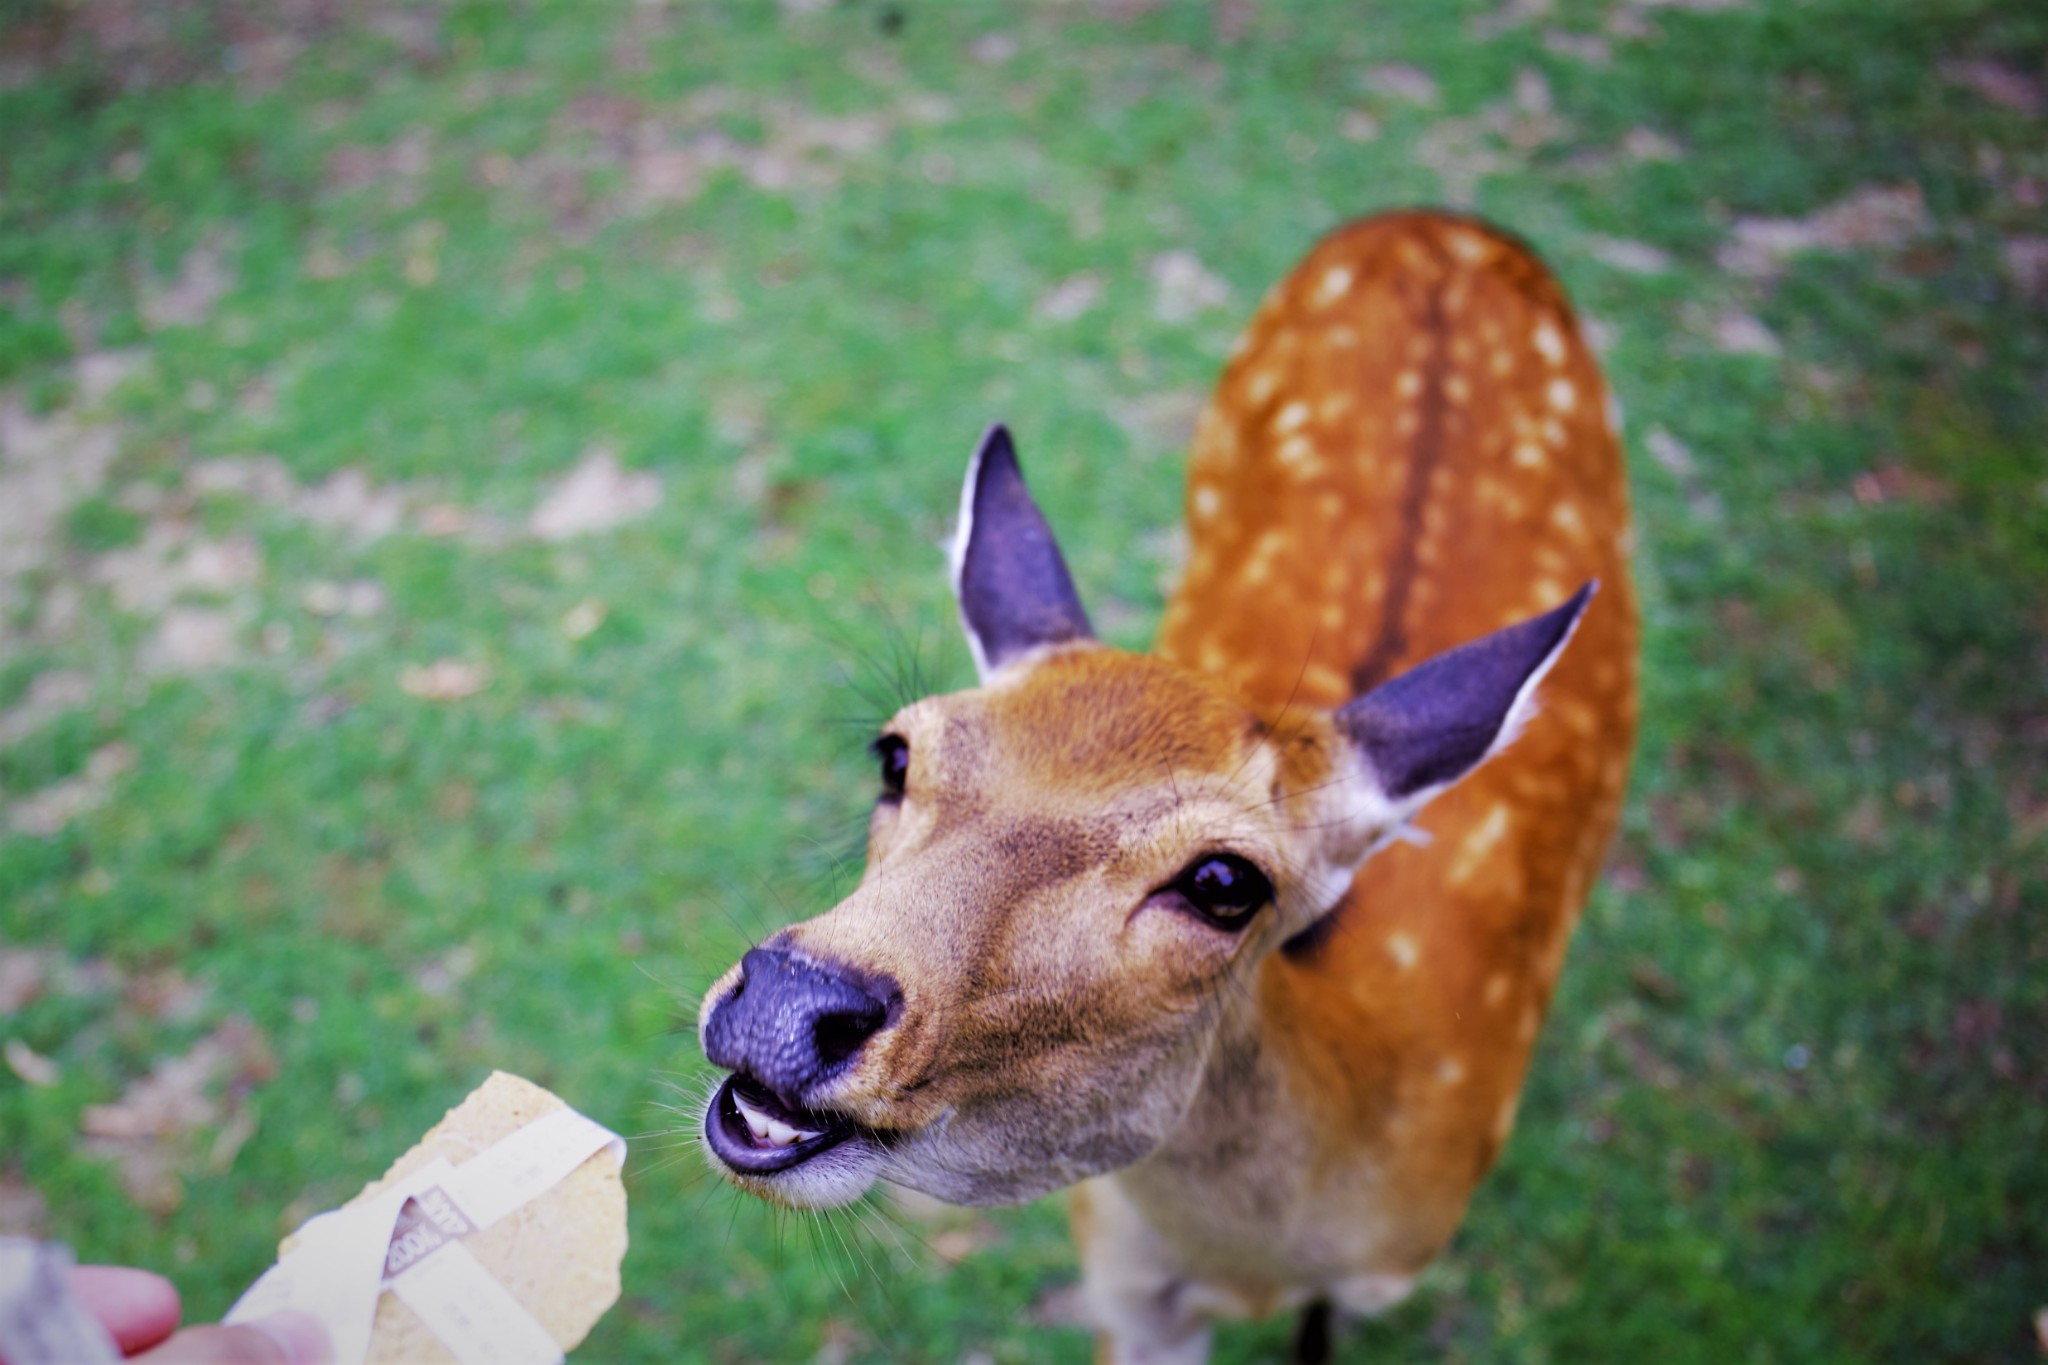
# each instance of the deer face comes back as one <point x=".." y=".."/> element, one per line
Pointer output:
<point x="1073" y="873"/>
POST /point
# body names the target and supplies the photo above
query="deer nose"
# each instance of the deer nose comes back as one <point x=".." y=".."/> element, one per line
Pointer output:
<point x="793" y="1023"/>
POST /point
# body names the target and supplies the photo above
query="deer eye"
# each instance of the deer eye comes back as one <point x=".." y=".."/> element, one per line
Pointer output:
<point x="1224" y="889"/>
<point x="894" y="753"/>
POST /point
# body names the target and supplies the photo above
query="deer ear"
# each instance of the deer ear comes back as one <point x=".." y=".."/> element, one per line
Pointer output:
<point x="1424" y="730"/>
<point x="1014" y="590"/>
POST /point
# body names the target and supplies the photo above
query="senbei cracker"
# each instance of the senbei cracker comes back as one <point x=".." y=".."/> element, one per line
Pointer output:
<point x="495" y="1241"/>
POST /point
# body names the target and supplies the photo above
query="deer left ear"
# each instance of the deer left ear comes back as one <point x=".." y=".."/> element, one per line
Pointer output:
<point x="1013" y="587"/>
<point x="1421" y="732"/>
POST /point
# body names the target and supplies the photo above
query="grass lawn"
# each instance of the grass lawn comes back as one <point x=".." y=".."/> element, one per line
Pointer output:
<point x="471" y="475"/>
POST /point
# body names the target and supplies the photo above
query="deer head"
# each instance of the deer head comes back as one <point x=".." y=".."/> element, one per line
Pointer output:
<point x="1074" y="872"/>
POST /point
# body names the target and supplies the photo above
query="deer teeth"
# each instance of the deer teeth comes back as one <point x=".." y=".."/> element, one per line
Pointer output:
<point x="770" y="1130"/>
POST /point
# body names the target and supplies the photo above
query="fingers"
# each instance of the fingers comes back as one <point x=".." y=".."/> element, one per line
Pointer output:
<point x="138" y="1309"/>
<point x="285" y="1339"/>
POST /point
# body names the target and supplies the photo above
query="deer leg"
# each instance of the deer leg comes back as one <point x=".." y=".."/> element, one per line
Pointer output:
<point x="1315" y="1337"/>
<point x="1140" y="1303"/>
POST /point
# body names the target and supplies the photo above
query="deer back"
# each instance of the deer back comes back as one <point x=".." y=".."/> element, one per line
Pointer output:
<point x="1412" y="446"/>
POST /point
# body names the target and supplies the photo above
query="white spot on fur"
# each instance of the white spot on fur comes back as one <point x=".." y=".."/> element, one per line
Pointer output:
<point x="1322" y="678"/>
<point x="1549" y="341"/>
<point x="1565" y="516"/>
<point x="1408" y="384"/>
<point x="1207" y="500"/>
<point x="1401" y="947"/>
<point x="1290" y="417"/>
<point x="1474" y="847"/>
<point x="1563" y="396"/>
<point x="1450" y="1071"/>
<point x="1497" y="989"/>
<point x="1336" y="282"/>
<point x="1529" y="455"/>
<point x="1469" y="247"/>
<point x="1295" y="450"/>
<point x="1504" y="1121"/>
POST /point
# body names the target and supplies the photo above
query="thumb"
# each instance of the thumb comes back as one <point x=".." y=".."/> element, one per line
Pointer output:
<point x="283" y="1339"/>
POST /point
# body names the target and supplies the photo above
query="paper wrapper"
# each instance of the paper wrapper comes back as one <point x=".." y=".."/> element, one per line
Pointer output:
<point x="558" y="1253"/>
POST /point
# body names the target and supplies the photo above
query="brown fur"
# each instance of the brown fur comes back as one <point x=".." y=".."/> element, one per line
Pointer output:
<point x="1444" y="956"/>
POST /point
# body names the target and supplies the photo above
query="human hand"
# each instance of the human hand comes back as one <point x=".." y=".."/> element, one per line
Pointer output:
<point x="141" y="1312"/>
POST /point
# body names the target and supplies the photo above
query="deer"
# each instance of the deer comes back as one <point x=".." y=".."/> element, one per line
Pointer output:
<point x="1245" y="941"/>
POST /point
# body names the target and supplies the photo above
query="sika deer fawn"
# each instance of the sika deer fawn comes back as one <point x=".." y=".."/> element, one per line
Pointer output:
<point x="1118" y="927"/>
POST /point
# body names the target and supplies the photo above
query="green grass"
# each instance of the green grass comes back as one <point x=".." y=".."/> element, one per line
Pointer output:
<point x="1792" y="1103"/>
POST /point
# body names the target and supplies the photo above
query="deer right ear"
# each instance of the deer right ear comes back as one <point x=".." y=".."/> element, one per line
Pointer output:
<point x="1421" y="732"/>
<point x="1013" y="587"/>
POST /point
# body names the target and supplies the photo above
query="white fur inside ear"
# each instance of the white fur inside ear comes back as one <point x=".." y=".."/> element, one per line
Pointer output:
<point x="956" y="555"/>
<point x="1523" y="709"/>
<point x="1415" y="836"/>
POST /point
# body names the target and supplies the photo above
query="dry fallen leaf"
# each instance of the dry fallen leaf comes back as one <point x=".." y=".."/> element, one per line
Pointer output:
<point x="1876" y="217"/>
<point x="583" y="618"/>
<point x="1999" y="84"/>
<point x="2026" y="265"/>
<point x="188" y="300"/>
<point x="171" y="561"/>
<point x="1647" y="144"/>
<point x="1636" y="258"/>
<point x="22" y="973"/>
<point x="190" y="639"/>
<point x="49" y="696"/>
<point x="48" y="462"/>
<point x="594" y="496"/>
<point x="1669" y="452"/>
<point x="349" y="501"/>
<point x="1738" y="333"/>
<point x="166" y="994"/>
<point x="32" y="1066"/>
<point x="48" y="811"/>
<point x="148" y="1132"/>
<point x="1183" y="287"/>
<point x="444" y="519"/>
<point x="1071" y="297"/>
<point x="444" y="680"/>
<point x="359" y="597"/>
<point x="1400" y="81"/>
<point x="1358" y="126"/>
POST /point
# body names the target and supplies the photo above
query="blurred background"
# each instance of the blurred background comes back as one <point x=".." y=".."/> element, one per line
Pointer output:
<point x="471" y="478"/>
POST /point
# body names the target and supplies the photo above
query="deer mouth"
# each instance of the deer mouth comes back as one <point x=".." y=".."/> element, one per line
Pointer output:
<point x="754" y="1133"/>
